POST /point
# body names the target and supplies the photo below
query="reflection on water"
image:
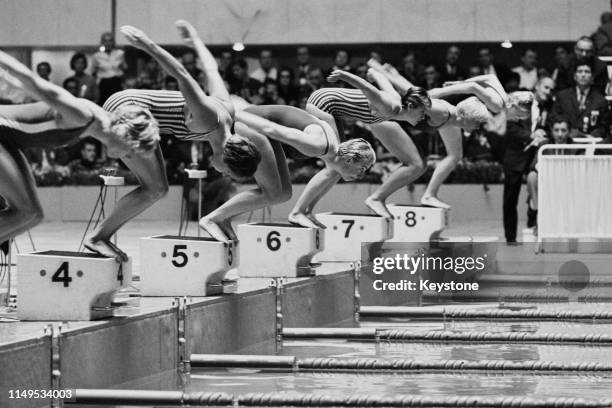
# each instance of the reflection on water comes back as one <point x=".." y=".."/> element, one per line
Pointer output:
<point x="434" y="384"/>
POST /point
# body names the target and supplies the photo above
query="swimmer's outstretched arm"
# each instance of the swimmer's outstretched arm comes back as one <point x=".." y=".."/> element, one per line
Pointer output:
<point x="487" y="88"/>
<point x="316" y="188"/>
<point x="73" y="112"/>
<point x="400" y="84"/>
<point x="384" y="102"/>
<point x="214" y="82"/>
<point x="309" y="144"/>
<point x="204" y="109"/>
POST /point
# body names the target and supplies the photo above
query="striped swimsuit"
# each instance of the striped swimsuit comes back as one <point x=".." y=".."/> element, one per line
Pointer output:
<point x="167" y="107"/>
<point x="343" y="102"/>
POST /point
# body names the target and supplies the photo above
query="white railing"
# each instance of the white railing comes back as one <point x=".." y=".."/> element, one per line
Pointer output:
<point x="574" y="191"/>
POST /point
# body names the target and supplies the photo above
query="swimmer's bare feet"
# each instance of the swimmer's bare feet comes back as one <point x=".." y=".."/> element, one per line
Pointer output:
<point x="104" y="248"/>
<point x="215" y="230"/>
<point x="314" y="219"/>
<point x="302" y="219"/>
<point x="378" y="207"/>
<point x="115" y="248"/>
<point x="431" y="201"/>
<point x="226" y="226"/>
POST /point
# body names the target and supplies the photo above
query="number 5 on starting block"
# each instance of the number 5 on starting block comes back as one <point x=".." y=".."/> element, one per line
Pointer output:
<point x="183" y="266"/>
<point x="413" y="223"/>
<point x="346" y="232"/>
<point x="274" y="250"/>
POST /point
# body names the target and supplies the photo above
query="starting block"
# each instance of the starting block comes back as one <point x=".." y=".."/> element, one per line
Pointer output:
<point x="275" y="250"/>
<point x="184" y="266"/>
<point x="346" y="232"/>
<point x="414" y="223"/>
<point x="63" y="285"/>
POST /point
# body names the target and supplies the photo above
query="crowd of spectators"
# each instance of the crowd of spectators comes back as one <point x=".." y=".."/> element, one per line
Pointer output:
<point x="579" y="79"/>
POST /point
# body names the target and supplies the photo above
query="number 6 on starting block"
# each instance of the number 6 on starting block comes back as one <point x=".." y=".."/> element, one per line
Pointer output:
<point x="346" y="232"/>
<point x="183" y="266"/>
<point x="274" y="250"/>
<point x="62" y="285"/>
<point x="413" y="223"/>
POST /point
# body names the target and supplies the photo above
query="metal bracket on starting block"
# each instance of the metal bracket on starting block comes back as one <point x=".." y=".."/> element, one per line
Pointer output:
<point x="414" y="223"/>
<point x="345" y="234"/>
<point x="279" y="285"/>
<point x="55" y="363"/>
<point x="356" y="293"/>
<point x="273" y="250"/>
<point x="64" y="285"/>
<point x="185" y="266"/>
<point x="184" y="354"/>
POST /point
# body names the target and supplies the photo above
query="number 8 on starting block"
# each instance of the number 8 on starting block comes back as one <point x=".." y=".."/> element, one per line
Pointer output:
<point x="274" y="250"/>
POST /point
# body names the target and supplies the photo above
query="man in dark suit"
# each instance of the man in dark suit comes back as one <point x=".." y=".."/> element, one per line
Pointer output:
<point x="451" y="70"/>
<point x="521" y="141"/>
<point x="485" y="61"/>
<point x="583" y="50"/>
<point x="583" y="105"/>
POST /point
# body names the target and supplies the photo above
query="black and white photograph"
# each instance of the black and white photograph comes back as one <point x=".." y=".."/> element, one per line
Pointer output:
<point x="305" y="203"/>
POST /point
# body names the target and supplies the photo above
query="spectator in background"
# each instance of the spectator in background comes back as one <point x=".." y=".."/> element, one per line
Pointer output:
<point x="225" y="61"/>
<point x="86" y="168"/>
<point x="527" y="70"/>
<point x="270" y="94"/>
<point x="266" y="69"/>
<point x="152" y="75"/>
<point x="560" y="134"/>
<point x="286" y="86"/>
<point x="43" y="69"/>
<point x="72" y="86"/>
<point x="189" y="61"/>
<point x="602" y="38"/>
<point x="583" y="106"/>
<point x="583" y="52"/>
<point x="129" y="82"/>
<point x="87" y="86"/>
<point x="145" y="81"/>
<point x="520" y="137"/>
<point x="170" y="83"/>
<point x="451" y="70"/>
<point x="303" y="65"/>
<point x="342" y="61"/>
<point x="240" y="83"/>
<point x="362" y="71"/>
<point x="411" y="69"/>
<point x="474" y="71"/>
<point x="431" y="78"/>
<point x="108" y="66"/>
<point x="561" y="60"/>
<point x="487" y="65"/>
<point x="315" y="80"/>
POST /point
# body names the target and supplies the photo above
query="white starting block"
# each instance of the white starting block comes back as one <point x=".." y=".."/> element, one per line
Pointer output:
<point x="275" y="250"/>
<point x="415" y="223"/>
<point x="184" y="266"/>
<point x="62" y="285"/>
<point x="346" y="232"/>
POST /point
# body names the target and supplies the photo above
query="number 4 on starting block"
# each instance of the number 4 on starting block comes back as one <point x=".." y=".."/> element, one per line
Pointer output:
<point x="413" y="223"/>
<point x="62" y="285"/>
<point x="275" y="250"/>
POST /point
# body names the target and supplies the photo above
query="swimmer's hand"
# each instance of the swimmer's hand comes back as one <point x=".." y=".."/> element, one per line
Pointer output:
<point x="137" y="38"/>
<point x="187" y="32"/>
<point x="336" y="75"/>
